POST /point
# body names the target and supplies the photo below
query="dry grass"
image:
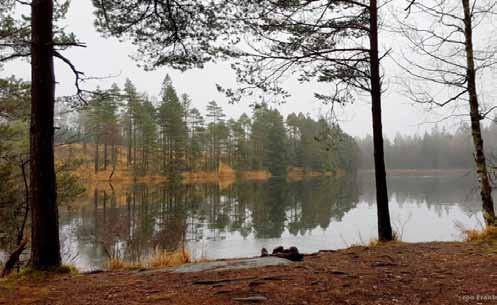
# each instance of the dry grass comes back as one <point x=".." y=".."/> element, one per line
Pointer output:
<point x="376" y="242"/>
<point x="373" y="243"/>
<point x="115" y="264"/>
<point x="226" y="171"/>
<point x="160" y="259"/>
<point x="486" y="234"/>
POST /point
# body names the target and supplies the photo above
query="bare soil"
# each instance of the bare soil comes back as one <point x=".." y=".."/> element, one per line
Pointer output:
<point x="395" y="273"/>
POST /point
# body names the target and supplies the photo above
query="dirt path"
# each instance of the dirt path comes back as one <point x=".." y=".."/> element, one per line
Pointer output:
<point x="426" y="273"/>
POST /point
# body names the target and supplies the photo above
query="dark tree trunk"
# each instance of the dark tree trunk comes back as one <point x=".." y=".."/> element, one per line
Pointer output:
<point x="22" y="228"/>
<point x="45" y="244"/>
<point x="384" y="226"/>
<point x="481" y="164"/>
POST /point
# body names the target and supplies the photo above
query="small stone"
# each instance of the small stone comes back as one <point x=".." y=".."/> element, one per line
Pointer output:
<point x="279" y="249"/>
<point x="254" y="299"/>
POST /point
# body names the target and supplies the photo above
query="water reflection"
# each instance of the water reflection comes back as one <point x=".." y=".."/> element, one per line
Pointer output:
<point x="239" y="219"/>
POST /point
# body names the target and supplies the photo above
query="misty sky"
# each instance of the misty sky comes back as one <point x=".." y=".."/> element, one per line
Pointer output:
<point x="108" y="57"/>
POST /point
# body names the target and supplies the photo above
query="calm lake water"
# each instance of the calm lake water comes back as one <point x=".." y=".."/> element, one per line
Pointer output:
<point x="237" y="220"/>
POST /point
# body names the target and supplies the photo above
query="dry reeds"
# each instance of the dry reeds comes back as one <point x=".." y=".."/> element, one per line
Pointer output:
<point x="486" y="234"/>
<point x="159" y="259"/>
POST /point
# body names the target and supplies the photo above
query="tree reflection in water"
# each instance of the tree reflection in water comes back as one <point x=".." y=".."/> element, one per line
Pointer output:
<point x="133" y="222"/>
<point x="237" y="219"/>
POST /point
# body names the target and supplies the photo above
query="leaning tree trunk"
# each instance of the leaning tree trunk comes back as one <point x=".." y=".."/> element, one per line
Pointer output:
<point x="384" y="226"/>
<point x="481" y="164"/>
<point x="45" y="245"/>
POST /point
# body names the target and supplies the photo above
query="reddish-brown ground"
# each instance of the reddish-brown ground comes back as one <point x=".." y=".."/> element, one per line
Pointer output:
<point x="399" y="273"/>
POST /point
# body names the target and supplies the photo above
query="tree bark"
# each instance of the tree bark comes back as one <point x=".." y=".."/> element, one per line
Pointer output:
<point x="481" y="164"/>
<point x="45" y="244"/>
<point x="384" y="226"/>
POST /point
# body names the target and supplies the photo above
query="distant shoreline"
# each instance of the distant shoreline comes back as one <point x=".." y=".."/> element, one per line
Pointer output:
<point x="423" y="171"/>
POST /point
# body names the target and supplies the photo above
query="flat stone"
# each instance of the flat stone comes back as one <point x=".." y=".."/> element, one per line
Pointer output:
<point x="226" y="265"/>
<point x="231" y="264"/>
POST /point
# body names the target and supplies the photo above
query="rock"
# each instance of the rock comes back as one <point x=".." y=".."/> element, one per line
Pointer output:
<point x="257" y="298"/>
<point x="225" y="265"/>
<point x="291" y="254"/>
<point x="264" y="252"/>
<point x="279" y="249"/>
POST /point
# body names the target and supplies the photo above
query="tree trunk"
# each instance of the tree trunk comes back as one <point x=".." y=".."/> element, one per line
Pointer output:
<point x="134" y="151"/>
<point x="84" y="145"/>
<point x="96" y="154"/>
<point x="95" y="212"/>
<point x="384" y="226"/>
<point x="114" y="159"/>
<point x="481" y="164"/>
<point x="163" y="153"/>
<point x="113" y="154"/>
<point x="144" y="162"/>
<point x="22" y="227"/>
<point x="105" y="153"/>
<point x="129" y="139"/>
<point x="45" y="244"/>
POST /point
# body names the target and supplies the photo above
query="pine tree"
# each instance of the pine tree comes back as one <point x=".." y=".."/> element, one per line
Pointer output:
<point x="216" y="130"/>
<point x="132" y="103"/>
<point x="275" y="155"/>
<point x="173" y="128"/>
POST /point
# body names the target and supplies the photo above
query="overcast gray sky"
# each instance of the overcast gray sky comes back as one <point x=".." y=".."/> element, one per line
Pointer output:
<point x="104" y="57"/>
